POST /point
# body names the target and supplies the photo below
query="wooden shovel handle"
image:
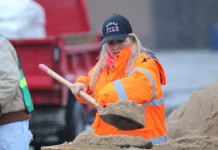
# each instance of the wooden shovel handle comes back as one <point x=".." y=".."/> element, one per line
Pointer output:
<point x="88" y="98"/>
<point x="67" y="83"/>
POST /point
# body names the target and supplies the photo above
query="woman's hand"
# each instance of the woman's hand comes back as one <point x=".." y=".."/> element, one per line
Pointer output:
<point x="76" y="87"/>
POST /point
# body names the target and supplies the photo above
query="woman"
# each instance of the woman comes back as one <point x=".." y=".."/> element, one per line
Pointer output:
<point x="126" y="71"/>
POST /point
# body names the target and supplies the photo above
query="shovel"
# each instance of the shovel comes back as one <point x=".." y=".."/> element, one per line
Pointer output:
<point x="110" y="114"/>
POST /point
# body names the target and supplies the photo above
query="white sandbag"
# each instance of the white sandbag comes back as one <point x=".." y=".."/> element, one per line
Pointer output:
<point x="21" y="19"/>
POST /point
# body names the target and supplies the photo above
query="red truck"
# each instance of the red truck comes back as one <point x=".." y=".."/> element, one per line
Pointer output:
<point x="70" y="49"/>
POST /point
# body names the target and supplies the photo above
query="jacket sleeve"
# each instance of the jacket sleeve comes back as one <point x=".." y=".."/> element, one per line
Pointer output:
<point x="9" y="72"/>
<point x="86" y="81"/>
<point x="142" y="84"/>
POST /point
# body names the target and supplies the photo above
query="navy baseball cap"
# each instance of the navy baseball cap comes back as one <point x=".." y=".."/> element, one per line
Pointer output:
<point x="115" y="27"/>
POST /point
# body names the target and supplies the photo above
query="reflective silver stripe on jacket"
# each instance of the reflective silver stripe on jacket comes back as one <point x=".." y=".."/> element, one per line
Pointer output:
<point x="120" y="90"/>
<point x="122" y="93"/>
<point x="158" y="140"/>
<point x="147" y="74"/>
<point x="154" y="102"/>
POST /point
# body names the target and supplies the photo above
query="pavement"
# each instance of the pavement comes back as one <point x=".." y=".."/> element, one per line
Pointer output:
<point x="187" y="71"/>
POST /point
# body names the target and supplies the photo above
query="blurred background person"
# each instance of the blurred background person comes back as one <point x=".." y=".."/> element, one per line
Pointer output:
<point x="15" y="101"/>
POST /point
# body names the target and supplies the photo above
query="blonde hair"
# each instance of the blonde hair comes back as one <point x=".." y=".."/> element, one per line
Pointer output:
<point x="137" y="49"/>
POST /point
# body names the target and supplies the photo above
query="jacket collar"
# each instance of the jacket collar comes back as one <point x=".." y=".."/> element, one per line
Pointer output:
<point x="123" y="57"/>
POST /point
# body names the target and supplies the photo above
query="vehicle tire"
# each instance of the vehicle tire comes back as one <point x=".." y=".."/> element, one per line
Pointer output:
<point x="75" y="118"/>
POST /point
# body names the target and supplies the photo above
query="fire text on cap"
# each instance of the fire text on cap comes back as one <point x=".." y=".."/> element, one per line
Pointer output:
<point x="112" y="27"/>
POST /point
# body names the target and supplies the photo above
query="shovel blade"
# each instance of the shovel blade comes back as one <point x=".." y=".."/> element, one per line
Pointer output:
<point x="121" y="122"/>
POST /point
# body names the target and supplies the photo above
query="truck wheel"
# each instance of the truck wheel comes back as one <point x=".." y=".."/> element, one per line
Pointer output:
<point x="75" y="118"/>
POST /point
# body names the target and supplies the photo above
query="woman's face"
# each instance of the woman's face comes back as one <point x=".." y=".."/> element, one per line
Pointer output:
<point x="115" y="46"/>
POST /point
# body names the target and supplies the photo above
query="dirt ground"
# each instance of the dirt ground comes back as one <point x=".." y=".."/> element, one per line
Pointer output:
<point x="193" y="126"/>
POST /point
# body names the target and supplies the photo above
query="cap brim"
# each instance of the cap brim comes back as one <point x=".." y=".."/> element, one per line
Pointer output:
<point x="119" y="37"/>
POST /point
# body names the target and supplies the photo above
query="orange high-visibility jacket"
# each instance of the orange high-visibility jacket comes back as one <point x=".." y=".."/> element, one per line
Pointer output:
<point x="142" y="84"/>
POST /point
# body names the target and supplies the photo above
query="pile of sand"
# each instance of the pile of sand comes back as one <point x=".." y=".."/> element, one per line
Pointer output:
<point x="190" y="143"/>
<point x="198" y="116"/>
<point x="90" y="141"/>
<point x="193" y="126"/>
